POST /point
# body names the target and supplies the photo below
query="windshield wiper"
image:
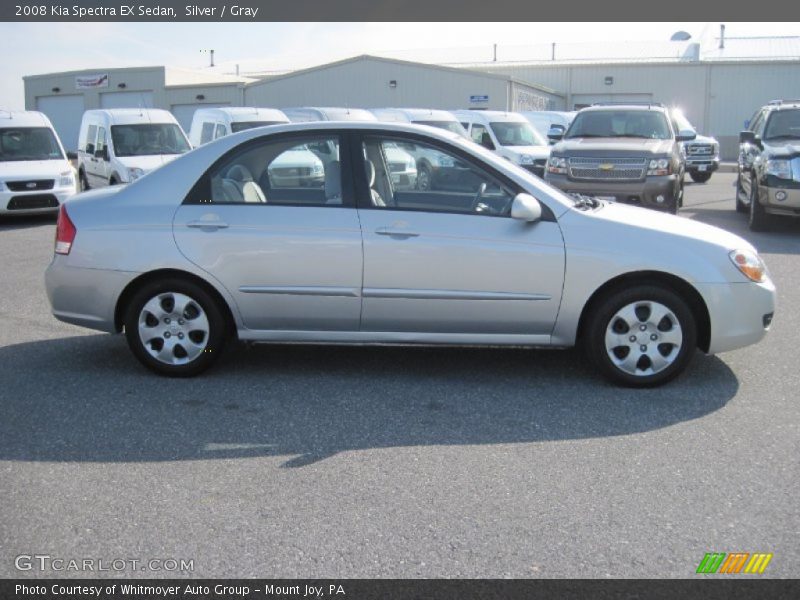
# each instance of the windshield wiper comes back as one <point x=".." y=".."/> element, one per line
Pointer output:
<point x="783" y="136"/>
<point x="634" y="135"/>
<point x="586" y="135"/>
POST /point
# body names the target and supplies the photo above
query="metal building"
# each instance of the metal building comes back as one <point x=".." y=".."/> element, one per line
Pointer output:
<point x="372" y="82"/>
<point x="64" y="96"/>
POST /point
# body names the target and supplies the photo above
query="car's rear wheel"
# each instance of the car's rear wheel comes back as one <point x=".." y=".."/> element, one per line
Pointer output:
<point x="641" y="336"/>
<point x="175" y="328"/>
<point x="759" y="219"/>
<point x="700" y="176"/>
<point x="83" y="181"/>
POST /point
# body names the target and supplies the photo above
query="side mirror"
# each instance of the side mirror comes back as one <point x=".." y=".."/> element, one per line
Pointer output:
<point x="486" y="141"/>
<point x="686" y="135"/>
<point x="526" y="208"/>
<point x="747" y="137"/>
<point x="102" y="153"/>
<point x="555" y="133"/>
<point x="90" y="149"/>
<point x="72" y="155"/>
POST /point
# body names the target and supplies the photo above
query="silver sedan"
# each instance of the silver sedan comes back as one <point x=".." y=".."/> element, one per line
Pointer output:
<point x="209" y="248"/>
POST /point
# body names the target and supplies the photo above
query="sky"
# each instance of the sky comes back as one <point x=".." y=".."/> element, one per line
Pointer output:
<point x="52" y="47"/>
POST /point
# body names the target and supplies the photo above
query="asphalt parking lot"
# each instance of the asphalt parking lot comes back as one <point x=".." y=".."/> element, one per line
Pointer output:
<point x="385" y="462"/>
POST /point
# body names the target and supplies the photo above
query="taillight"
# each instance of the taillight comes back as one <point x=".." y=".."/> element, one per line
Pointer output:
<point x="65" y="231"/>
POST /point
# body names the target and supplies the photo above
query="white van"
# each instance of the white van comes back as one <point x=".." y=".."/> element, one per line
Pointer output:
<point x="208" y="124"/>
<point x="543" y="120"/>
<point x="435" y="170"/>
<point x="508" y="134"/>
<point x="402" y="164"/>
<point x="35" y="175"/>
<point x="421" y="116"/>
<point x="305" y="114"/>
<point x="120" y="145"/>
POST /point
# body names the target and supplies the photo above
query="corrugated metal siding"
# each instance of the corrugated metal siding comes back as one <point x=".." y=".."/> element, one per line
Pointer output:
<point x="737" y="91"/>
<point x="365" y="84"/>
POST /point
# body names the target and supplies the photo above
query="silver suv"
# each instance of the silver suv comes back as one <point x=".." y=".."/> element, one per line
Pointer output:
<point x="621" y="152"/>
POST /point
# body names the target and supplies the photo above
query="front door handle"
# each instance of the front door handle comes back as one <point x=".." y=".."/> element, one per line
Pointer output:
<point x="396" y="233"/>
<point x="207" y="224"/>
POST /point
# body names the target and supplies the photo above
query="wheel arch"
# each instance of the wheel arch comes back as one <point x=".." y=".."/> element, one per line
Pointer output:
<point x="678" y="285"/>
<point x="159" y="274"/>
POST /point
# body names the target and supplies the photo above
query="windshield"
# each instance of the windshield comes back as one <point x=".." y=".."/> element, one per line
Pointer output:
<point x="516" y="134"/>
<point x="28" y="143"/>
<point x="446" y="125"/>
<point x="242" y="125"/>
<point x="783" y="124"/>
<point x="148" y="139"/>
<point x="649" y="124"/>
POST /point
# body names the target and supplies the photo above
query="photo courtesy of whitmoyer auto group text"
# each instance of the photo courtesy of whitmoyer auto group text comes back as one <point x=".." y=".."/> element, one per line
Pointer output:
<point x="421" y="300"/>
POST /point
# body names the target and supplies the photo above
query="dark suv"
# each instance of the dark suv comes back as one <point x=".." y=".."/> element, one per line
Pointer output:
<point x="623" y="152"/>
<point x="769" y="164"/>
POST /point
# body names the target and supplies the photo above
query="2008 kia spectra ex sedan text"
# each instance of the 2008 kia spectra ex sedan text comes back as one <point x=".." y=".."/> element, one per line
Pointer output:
<point x="218" y="245"/>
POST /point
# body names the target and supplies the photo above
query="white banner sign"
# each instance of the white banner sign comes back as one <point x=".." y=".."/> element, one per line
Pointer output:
<point x="83" y="82"/>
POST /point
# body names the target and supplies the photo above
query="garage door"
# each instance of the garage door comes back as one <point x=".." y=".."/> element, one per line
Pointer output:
<point x="65" y="112"/>
<point x="185" y="112"/>
<point x="126" y="100"/>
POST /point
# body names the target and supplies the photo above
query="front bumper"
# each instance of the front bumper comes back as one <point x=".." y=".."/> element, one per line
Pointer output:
<point x="84" y="297"/>
<point x="780" y="197"/>
<point x="740" y="313"/>
<point x="643" y="192"/>
<point x="702" y="165"/>
<point x="36" y="202"/>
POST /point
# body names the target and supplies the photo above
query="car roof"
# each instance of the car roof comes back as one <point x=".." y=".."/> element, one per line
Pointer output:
<point x="23" y="118"/>
<point x="123" y="116"/>
<point x="414" y="114"/>
<point x="642" y="107"/>
<point x="329" y="113"/>
<point x="491" y="115"/>
<point x="242" y="113"/>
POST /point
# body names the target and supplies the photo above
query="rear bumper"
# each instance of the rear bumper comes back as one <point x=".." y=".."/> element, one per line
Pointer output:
<point x="645" y="192"/>
<point x="85" y="297"/>
<point x="740" y="313"/>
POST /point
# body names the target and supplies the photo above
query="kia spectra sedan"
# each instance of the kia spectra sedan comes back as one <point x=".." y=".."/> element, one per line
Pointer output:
<point x="208" y="249"/>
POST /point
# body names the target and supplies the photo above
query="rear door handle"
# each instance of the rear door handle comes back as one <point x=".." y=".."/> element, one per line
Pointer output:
<point x="397" y="233"/>
<point x="207" y="224"/>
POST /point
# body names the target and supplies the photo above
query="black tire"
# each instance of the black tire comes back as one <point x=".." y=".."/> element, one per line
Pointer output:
<point x="424" y="178"/>
<point x="759" y="219"/>
<point x="113" y="181"/>
<point x="83" y="181"/>
<point x="214" y="340"/>
<point x="604" y="316"/>
<point x="741" y="207"/>
<point x="672" y="204"/>
<point x="699" y="176"/>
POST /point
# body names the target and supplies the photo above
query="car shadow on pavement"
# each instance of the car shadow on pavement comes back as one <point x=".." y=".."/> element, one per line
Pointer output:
<point x="85" y="398"/>
<point x="782" y="237"/>
<point x="26" y="222"/>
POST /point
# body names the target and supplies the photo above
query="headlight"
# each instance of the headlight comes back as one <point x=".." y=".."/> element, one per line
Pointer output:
<point x="317" y="170"/>
<point x="779" y="167"/>
<point x="525" y="159"/>
<point x="446" y="161"/>
<point x="66" y="179"/>
<point x="750" y="264"/>
<point x="557" y="164"/>
<point x="134" y="173"/>
<point x="411" y="164"/>
<point x="659" y="166"/>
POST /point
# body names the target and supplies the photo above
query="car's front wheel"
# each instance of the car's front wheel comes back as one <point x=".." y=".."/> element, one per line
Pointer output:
<point x="759" y="219"/>
<point x="741" y="207"/>
<point x="174" y="327"/>
<point x="641" y="336"/>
